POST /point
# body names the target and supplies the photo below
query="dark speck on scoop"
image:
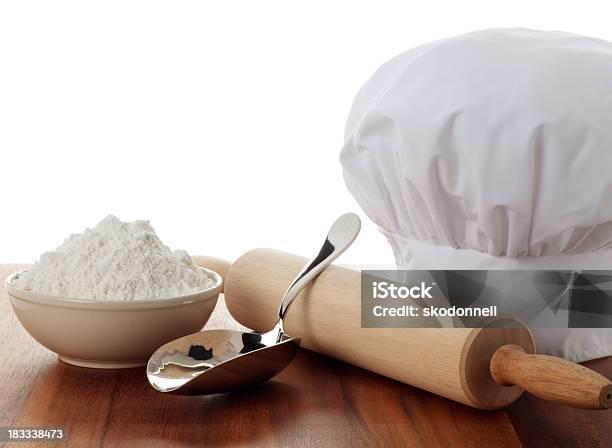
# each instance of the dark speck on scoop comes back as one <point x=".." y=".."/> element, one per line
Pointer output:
<point x="200" y="353"/>
<point x="251" y="341"/>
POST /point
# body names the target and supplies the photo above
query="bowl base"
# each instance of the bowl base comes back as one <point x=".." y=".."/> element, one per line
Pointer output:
<point x="93" y="364"/>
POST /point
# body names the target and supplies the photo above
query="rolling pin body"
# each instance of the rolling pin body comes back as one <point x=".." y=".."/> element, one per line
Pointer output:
<point x="451" y="362"/>
<point x="487" y="368"/>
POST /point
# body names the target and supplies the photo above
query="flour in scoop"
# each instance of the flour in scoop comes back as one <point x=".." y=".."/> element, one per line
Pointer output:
<point x="115" y="261"/>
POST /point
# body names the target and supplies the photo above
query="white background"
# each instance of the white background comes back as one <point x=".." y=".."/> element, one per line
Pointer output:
<point x="221" y="122"/>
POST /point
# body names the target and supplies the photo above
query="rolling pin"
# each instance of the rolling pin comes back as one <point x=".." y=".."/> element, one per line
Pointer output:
<point x="487" y="368"/>
<point x="219" y="265"/>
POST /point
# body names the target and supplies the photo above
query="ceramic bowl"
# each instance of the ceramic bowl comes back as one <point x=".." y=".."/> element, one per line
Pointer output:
<point x="110" y="334"/>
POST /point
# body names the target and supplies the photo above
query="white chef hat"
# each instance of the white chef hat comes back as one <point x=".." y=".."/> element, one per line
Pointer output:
<point x="490" y="150"/>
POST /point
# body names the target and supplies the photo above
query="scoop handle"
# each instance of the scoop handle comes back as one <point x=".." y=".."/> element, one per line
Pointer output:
<point x="340" y="236"/>
<point x="551" y="378"/>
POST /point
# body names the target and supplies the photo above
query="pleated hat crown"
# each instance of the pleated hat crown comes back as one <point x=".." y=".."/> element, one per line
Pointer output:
<point x="498" y="141"/>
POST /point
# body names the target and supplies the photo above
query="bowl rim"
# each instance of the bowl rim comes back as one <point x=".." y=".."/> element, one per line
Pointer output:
<point x="209" y="293"/>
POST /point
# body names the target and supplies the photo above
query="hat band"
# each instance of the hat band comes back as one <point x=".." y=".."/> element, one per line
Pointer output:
<point x="414" y="254"/>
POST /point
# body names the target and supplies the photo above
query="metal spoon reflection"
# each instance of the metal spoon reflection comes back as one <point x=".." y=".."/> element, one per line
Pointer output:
<point x="216" y="361"/>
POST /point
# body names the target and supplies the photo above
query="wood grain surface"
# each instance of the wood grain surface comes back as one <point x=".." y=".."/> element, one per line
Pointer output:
<point x="317" y="401"/>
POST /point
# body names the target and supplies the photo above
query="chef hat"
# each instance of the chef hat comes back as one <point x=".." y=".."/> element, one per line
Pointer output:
<point x="490" y="150"/>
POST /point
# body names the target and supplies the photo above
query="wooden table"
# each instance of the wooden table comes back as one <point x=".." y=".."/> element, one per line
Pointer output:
<point x="316" y="401"/>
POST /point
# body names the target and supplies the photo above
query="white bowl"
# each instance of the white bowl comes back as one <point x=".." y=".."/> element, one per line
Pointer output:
<point x="110" y="334"/>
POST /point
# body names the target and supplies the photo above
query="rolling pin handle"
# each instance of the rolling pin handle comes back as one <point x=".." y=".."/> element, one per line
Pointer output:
<point x="551" y="378"/>
<point x="219" y="265"/>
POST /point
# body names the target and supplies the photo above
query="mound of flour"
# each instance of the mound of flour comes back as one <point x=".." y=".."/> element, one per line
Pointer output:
<point x="115" y="261"/>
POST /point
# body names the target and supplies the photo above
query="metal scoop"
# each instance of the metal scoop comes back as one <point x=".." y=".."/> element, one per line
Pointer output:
<point x="216" y="361"/>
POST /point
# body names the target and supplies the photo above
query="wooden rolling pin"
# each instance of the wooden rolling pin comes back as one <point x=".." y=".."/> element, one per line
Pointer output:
<point x="484" y="368"/>
<point x="219" y="265"/>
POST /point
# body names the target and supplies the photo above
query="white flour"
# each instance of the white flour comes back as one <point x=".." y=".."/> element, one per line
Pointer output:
<point x="115" y="261"/>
